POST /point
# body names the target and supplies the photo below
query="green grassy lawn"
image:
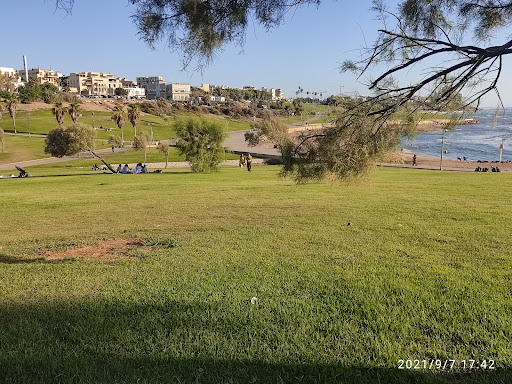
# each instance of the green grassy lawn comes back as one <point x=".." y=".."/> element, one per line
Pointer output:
<point x="19" y="148"/>
<point x="43" y="121"/>
<point x="424" y="271"/>
<point x="118" y="157"/>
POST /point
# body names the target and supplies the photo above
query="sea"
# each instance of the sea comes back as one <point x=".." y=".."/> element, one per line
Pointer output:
<point x="480" y="141"/>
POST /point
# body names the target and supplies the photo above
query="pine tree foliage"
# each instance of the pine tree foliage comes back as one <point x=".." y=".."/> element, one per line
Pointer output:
<point x="200" y="141"/>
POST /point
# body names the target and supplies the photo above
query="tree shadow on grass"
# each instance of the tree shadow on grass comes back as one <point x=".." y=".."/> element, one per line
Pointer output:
<point x="5" y="259"/>
<point x="159" y="340"/>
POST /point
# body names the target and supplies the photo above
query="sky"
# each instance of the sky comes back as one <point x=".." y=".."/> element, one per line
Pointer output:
<point x="306" y="50"/>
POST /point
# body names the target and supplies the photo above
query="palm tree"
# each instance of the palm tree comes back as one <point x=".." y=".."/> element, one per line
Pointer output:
<point x="119" y="117"/>
<point x="11" y="99"/>
<point x="59" y="111"/>
<point x="133" y="116"/>
<point x="74" y="111"/>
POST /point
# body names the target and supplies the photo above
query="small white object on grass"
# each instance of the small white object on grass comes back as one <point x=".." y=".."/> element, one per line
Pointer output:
<point x="254" y="300"/>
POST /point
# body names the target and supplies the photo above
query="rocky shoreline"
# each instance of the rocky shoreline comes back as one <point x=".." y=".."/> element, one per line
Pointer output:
<point x="432" y="125"/>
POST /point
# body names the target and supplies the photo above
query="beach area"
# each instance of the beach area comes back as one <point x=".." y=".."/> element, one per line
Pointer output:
<point x="448" y="164"/>
<point x="473" y="143"/>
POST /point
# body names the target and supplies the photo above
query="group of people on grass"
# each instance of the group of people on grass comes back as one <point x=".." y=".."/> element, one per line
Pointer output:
<point x="245" y="160"/>
<point x="139" y="168"/>
<point x="493" y="169"/>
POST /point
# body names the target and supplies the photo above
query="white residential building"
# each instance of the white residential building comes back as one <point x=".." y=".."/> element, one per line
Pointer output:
<point x="275" y="92"/>
<point x="15" y="78"/>
<point x="218" y="99"/>
<point x="135" y="91"/>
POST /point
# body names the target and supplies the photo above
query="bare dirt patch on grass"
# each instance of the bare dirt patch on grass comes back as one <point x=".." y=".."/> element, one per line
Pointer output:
<point x="111" y="249"/>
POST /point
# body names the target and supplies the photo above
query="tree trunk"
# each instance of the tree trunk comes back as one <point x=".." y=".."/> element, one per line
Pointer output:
<point x="103" y="161"/>
<point x="166" y="158"/>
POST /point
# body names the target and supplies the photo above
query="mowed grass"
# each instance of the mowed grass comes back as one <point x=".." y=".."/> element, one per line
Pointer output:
<point x="424" y="271"/>
<point x="40" y="122"/>
<point x="21" y="148"/>
<point x="43" y="121"/>
<point x="118" y="157"/>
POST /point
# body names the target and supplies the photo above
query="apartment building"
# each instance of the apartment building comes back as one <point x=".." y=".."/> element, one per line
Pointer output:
<point x="132" y="88"/>
<point x="276" y="93"/>
<point x="94" y="83"/>
<point x="43" y="76"/>
<point x="178" y="92"/>
<point x="155" y="87"/>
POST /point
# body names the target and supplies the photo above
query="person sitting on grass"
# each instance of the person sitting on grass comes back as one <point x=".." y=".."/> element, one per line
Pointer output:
<point x="125" y="169"/>
<point x="119" y="168"/>
<point x="138" y="168"/>
<point x="144" y="169"/>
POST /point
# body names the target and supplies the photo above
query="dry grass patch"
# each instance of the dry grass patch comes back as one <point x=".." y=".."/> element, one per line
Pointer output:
<point x="111" y="249"/>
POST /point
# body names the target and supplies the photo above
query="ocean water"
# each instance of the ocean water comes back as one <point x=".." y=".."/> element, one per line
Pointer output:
<point x="474" y="141"/>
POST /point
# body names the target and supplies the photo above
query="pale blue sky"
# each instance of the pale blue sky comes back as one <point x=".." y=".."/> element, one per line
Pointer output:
<point x="99" y="36"/>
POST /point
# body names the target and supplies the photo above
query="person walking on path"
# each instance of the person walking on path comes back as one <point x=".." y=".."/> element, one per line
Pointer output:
<point x="249" y="162"/>
<point x="241" y="162"/>
<point x="414" y="160"/>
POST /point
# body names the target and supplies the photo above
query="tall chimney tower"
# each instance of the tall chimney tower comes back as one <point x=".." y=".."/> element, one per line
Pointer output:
<point x="26" y="68"/>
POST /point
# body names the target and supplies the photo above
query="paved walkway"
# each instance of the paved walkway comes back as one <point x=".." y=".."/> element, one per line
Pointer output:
<point x="237" y="144"/>
<point x="186" y="164"/>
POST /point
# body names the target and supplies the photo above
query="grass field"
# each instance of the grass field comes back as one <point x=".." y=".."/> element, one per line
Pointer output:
<point x="424" y="271"/>
<point x="21" y="148"/>
<point x="42" y="121"/>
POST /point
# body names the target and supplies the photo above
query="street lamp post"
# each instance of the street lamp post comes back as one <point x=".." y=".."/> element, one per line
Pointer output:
<point x="151" y="139"/>
<point x="442" y="150"/>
